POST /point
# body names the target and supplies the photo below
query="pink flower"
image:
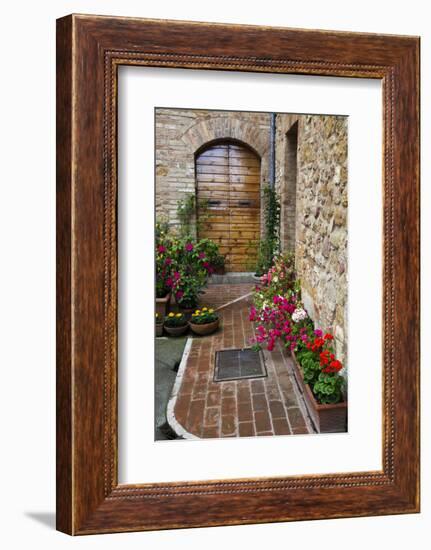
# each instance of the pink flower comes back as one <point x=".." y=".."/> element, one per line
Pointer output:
<point x="189" y="247"/>
<point x="169" y="282"/>
<point x="202" y="255"/>
<point x="161" y="249"/>
<point x="179" y="294"/>
<point x="176" y="275"/>
<point x="271" y="344"/>
<point x="168" y="261"/>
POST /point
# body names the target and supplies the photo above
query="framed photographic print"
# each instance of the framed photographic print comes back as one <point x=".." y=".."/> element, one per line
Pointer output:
<point x="237" y="274"/>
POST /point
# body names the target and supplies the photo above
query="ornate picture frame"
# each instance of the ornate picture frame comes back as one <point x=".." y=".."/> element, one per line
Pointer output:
<point x="89" y="51"/>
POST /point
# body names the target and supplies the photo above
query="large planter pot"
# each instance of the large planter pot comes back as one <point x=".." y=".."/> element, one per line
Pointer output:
<point x="177" y="331"/>
<point x="162" y="305"/>
<point x="204" y="330"/>
<point x="159" y="329"/>
<point x="326" y="418"/>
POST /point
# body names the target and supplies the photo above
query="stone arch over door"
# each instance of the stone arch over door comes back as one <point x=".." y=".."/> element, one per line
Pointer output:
<point x="228" y="177"/>
<point x="226" y="126"/>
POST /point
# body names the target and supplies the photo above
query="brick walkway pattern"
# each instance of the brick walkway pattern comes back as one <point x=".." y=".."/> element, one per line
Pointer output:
<point x="243" y="408"/>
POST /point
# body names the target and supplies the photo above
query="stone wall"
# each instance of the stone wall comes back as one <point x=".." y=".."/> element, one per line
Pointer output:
<point x="321" y="205"/>
<point x="180" y="133"/>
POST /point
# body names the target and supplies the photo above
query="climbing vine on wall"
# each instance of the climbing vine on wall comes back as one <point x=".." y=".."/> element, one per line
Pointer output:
<point x="269" y="245"/>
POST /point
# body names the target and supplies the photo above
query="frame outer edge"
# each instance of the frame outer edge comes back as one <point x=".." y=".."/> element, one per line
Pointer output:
<point x="80" y="505"/>
<point x="64" y="367"/>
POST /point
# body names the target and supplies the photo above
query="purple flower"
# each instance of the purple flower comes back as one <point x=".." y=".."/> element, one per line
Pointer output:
<point x="189" y="247"/>
<point x="318" y="333"/>
<point x="201" y="255"/>
<point x="161" y="249"/>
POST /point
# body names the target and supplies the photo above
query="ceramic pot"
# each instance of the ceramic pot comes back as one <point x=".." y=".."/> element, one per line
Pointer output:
<point x="204" y="330"/>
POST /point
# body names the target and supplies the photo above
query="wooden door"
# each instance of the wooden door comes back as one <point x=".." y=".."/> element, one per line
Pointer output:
<point x="228" y="185"/>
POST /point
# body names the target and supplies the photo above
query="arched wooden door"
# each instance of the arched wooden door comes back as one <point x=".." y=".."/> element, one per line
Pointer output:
<point x="228" y="185"/>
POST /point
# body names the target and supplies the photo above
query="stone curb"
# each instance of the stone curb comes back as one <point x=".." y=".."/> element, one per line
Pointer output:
<point x="170" y="412"/>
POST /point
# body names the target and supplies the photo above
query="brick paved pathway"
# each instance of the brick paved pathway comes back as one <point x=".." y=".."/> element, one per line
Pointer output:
<point x="265" y="406"/>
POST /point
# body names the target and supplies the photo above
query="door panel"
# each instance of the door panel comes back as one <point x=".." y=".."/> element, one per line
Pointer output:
<point x="228" y="178"/>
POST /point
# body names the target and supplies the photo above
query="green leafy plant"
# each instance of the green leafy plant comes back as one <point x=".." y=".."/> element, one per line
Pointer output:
<point x="204" y="316"/>
<point x="186" y="212"/>
<point x="187" y="290"/>
<point x="175" y="320"/>
<point x="270" y="243"/>
<point x="320" y="368"/>
<point x="328" y="388"/>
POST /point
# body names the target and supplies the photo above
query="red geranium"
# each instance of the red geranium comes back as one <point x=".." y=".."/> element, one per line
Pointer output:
<point x="334" y="366"/>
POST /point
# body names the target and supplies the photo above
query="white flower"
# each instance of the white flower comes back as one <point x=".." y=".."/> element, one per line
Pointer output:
<point x="299" y="315"/>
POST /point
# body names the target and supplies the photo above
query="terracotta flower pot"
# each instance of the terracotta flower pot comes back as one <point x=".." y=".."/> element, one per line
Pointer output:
<point x="326" y="418"/>
<point x="159" y="329"/>
<point x="177" y="331"/>
<point x="162" y="305"/>
<point x="207" y="328"/>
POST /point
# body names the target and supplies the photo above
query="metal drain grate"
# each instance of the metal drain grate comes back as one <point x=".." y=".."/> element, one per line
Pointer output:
<point x="237" y="364"/>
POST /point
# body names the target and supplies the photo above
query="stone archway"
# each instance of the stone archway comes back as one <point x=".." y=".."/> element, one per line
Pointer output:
<point x="228" y="198"/>
<point x="226" y="126"/>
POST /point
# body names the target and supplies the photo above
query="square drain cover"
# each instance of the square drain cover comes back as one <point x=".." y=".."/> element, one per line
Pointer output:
<point x="236" y="364"/>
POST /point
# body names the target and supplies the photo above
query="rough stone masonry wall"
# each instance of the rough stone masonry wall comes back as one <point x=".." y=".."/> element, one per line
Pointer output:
<point x="181" y="132"/>
<point x="321" y="216"/>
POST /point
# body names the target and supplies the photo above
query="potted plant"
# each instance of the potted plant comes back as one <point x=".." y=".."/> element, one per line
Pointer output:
<point x="317" y="372"/>
<point x="159" y="325"/>
<point x="204" y="321"/>
<point x="187" y="291"/>
<point x="176" y="324"/>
